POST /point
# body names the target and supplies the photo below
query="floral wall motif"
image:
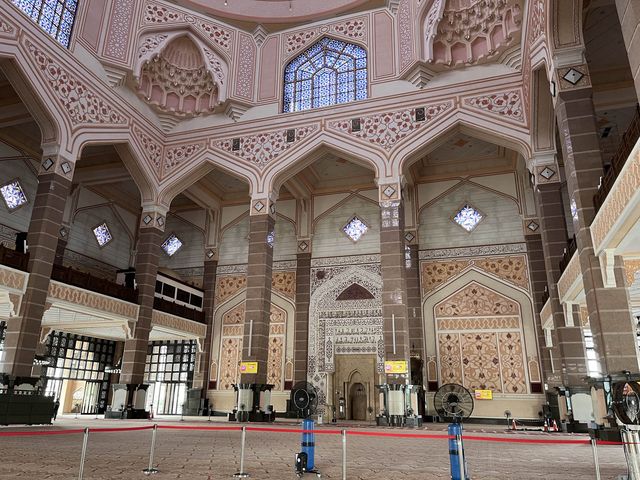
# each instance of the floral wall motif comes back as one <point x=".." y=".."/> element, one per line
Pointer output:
<point x="476" y="300"/>
<point x="81" y="103"/>
<point x="511" y="268"/>
<point x="155" y="14"/>
<point x="502" y="104"/>
<point x="178" y="156"/>
<point x="229" y="285"/>
<point x="630" y="269"/>
<point x="262" y="148"/>
<point x="386" y="130"/>
<point x="353" y="29"/>
<point x="285" y="283"/>
<point x="151" y="149"/>
<point x="246" y="67"/>
<point x="480" y="341"/>
<point x="231" y="347"/>
<point x="405" y="29"/>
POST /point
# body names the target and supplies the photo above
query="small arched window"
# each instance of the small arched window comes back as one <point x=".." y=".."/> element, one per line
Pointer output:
<point x="327" y="73"/>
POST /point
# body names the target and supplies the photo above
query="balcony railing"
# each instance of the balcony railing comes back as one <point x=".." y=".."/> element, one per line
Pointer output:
<point x="13" y="259"/>
<point x="89" y="282"/>
<point x="568" y="253"/>
<point x="178" y="310"/>
<point x="629" y="140"/>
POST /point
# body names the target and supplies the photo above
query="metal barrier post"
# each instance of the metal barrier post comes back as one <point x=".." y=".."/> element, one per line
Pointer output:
<point x="150" y="470"/>
<point x="242" y="473"/>
<point x="83" y="455"/>
<point x="461" y="455"/>
<point x="344" y="455"/>
<point x="594" y="447"/>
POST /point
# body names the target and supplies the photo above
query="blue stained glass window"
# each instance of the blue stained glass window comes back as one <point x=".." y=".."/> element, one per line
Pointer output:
<point x="55" y="17"/>
<point x="468" y="217"/>
<point x="171" y="245"/>
<point x="13" y="195"/>
<point x="327" y="73"/>
<point x="102" y="234"/>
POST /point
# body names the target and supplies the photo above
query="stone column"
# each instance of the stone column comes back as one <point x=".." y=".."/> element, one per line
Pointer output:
<point x="394" y="283"/>
<point x="208" y="305"/>
<point x="609" y="311"/>
<point x="150" y="237"/>
<point x="538" y="275"/>
<point x="629" y="14"/>
<point x="568" y="354"/>
<point x="255" y="341"/>
<point x="303" y="289"/>
<point x="414" y="304"/>
<point x="23" y="333"/>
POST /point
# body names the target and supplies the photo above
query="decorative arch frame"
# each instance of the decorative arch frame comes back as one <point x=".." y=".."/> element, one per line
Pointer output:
<point x="530" y="339"/>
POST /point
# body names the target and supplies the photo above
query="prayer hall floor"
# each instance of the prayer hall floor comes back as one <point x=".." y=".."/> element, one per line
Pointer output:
<point x="194" y="454"/>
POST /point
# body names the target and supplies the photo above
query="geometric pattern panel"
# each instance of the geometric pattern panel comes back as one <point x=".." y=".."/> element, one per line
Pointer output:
<point x="450" y="359"/>
<point x="511" y="362"/>
<point x="481" y="364"/>
<point x="511" y="268"/>
<point x="475" y="300"/>
<point x="231" y="347"/>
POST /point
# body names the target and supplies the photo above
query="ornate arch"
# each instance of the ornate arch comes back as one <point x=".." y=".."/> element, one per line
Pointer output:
<point x="326" y="313"/>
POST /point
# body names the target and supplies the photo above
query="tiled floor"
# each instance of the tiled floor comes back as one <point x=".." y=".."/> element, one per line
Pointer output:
<point x="193" y="454"/>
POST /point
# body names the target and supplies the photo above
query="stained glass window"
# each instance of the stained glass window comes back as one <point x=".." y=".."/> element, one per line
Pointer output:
<point x="171" y="245"/>
<point x="328" y="73"/>
<point x="468" y="217"/>
<point x="355" y="228"/>
<point x="54" y="16"/>
<point x="102" y="234"/>
<point x="13" y="195"/>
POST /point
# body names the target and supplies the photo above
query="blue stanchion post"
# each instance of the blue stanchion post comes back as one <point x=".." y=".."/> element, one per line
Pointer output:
<point x="309" y="442"/>
<point x="456" y="453"/>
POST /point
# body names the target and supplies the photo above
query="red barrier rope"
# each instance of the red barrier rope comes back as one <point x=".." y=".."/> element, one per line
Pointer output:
<point x="320" y="431"/>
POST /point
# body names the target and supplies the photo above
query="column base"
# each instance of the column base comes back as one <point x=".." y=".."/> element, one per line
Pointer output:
<point x="253" y="403"/>
<point x="22" y="402"/>
<point x="128" y="402"/>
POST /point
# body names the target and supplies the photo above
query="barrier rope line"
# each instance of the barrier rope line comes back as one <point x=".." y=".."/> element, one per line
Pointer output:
<point x="435" y="436"/>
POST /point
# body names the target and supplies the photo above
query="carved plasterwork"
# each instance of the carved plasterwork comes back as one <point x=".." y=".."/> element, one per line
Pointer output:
<point x="584" y="317"/>
<point x="630" y="269"/>
<point x="6" y="28"/>
<point x="343" y="327"/>
<point x="484" y="250"/>
<point x="151" y="149"/>
<point x="475" y="300"/>
<point x="60" y="292"/>
<point x="179" y="156"/>
<point x="386" y="130"/>
<point x="626" y="186"/>
<point x="463" y="33"/>
<point x="505" y="105"/>
<point x="232" y="341"/>
<point x="118" y="36"/>
<point x="182" y="79"/>
<point x="189" y="327"/>
<point x="491" y="323"/>
<point x="512" y="269"/>
<point x="285" y="283"/>
<point x="534" y="369"/>
<point x="569" y="277"/>
<point x="246" y="67"/>
<point x="263" y="148"/>
<point x="229" y="285"/>
<point x="352" y="29"/>
<point x="13" y="279"/>
<point x="538" y="20"/>
<point x="405" y="32"/>
<point x="581" y="72"/>
<point x="81" y="103"/>
<point x="347" y="260"/>
<point x="156" y="14"/>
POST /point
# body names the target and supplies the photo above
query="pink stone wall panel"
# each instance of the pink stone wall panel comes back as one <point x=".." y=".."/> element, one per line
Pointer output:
<point x="383" y="45"/>
<point x="119" y="29"/>
<point x="269" y="69"/>
<point x="405" y="32"/>
<point x="92" y="22"/>
<point x="245" y="67"/>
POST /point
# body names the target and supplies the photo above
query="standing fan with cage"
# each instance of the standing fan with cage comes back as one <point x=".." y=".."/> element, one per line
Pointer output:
<point x="625" y="403"/>
<point x="454" y="403"/>
<point x="304" y="399"/>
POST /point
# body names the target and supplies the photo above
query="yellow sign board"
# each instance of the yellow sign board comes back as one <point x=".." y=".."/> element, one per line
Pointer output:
<point x="398" y="366"/>
<point x="484" y="394"/>
<point x="248" y="367"/>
